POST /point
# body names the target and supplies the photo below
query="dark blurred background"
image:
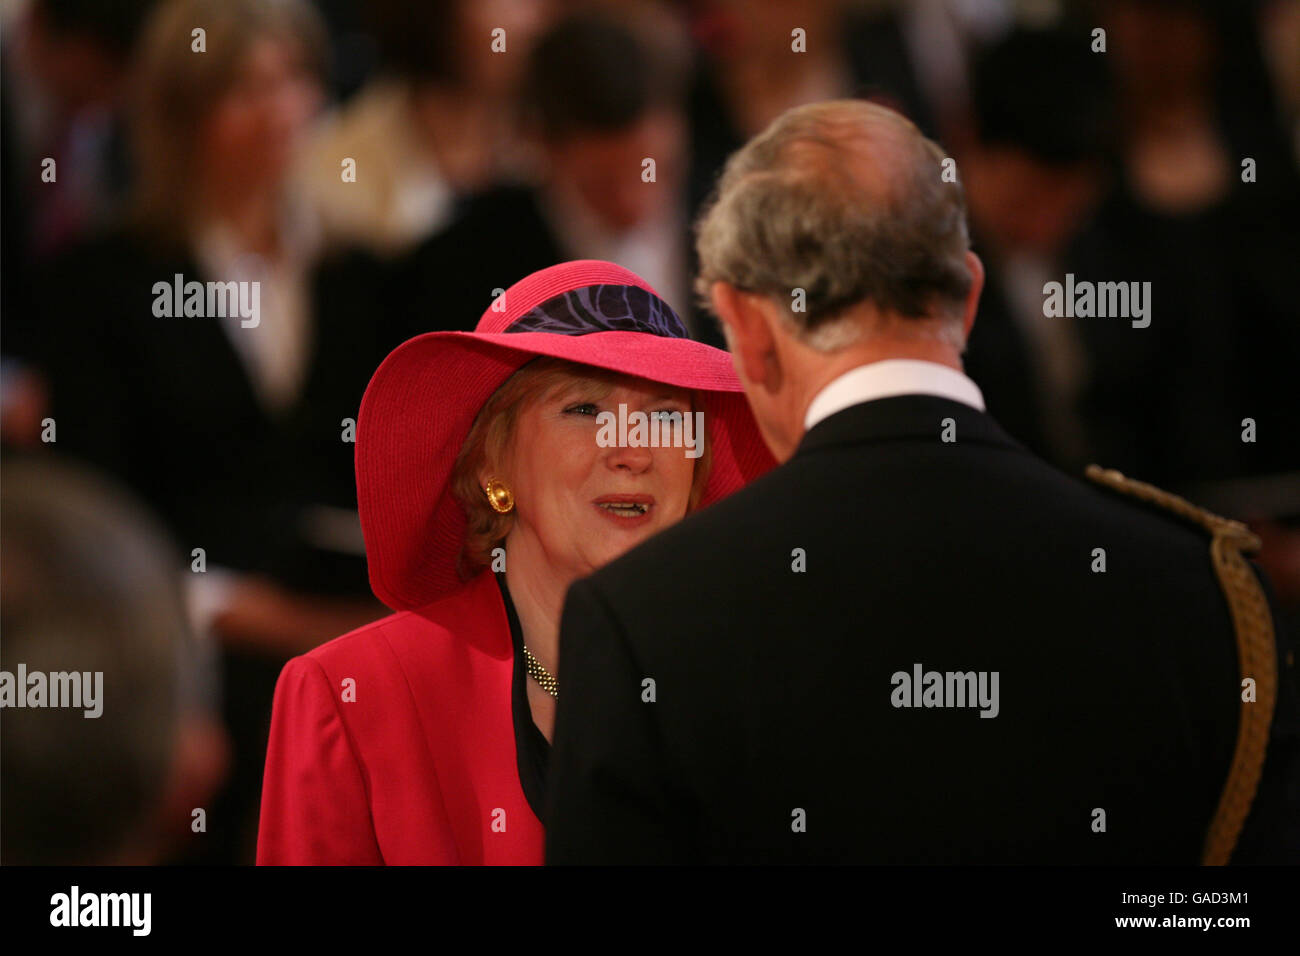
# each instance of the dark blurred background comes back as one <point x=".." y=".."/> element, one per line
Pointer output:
<point x="381" y="167"/>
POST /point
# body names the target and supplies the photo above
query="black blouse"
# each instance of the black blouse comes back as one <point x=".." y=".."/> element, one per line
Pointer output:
<point x="531" y="746"/>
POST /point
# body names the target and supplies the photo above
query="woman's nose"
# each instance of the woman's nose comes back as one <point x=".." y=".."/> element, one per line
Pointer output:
<point x="634" y="458"/>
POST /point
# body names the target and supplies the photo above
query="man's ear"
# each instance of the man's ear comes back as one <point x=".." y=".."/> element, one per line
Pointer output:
<point x="749" y="337"/>
<point x="976" y="269"/>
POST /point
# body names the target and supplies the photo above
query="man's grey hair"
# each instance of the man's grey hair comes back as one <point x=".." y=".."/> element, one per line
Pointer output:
<point x="839" y="203"/>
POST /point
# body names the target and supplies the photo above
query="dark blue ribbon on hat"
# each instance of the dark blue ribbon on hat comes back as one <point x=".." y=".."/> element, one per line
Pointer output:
<point x="603" y="308"/>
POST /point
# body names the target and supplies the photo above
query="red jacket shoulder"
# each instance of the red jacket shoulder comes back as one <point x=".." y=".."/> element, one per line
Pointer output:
<point x="471" y="617"/>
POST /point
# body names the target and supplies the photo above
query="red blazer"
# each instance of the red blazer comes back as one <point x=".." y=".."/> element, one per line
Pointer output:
<point x="420" y="767"/>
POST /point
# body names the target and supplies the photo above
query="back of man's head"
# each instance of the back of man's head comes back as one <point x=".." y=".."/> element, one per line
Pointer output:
<point x="834" y="205"/>
<point x="90" y="587"/>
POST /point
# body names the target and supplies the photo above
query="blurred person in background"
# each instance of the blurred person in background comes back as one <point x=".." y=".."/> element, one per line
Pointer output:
<point x="911" y="56"/>
<point x="91" y="584"/>
<point x="1278" y="524"/>
<point x="749" y="72"/>
<point x="62" y="79"/>
<point x="1205" y="209"/>
<point x="235" y="430"/>
<point x="1216" y="240"/>
<point x="600" y="96"/>
<point x="68" y="61"/>
<point x="433" y="126"/>
<point x="1279" y="28"/>
<point x="1035" y="165"/>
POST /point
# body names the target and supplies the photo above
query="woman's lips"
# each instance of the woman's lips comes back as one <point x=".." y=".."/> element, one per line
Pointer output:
<point x="627" y="511"/>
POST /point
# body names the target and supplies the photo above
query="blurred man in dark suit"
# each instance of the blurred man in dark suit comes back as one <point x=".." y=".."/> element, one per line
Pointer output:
<point x="1033" y="177"/>
<point x="913" y="642"/>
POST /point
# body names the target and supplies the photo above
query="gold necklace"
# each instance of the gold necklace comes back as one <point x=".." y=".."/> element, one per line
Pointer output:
<point x="540" y="674"/>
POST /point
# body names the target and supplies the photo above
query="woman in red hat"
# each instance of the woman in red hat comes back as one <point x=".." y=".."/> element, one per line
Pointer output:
<point x="487" y="483"/>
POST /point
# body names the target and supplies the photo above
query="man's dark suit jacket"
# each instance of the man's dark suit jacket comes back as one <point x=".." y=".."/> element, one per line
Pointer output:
<point x="772" y="737"/>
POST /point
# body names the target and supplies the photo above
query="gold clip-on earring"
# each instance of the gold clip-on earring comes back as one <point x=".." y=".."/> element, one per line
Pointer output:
<point x="499" y="496"/>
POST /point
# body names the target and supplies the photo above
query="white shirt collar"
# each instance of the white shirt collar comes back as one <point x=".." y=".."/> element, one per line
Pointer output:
<point x="887" y="379"/>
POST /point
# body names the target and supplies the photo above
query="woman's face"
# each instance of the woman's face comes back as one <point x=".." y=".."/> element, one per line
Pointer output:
<point x="252" y="133"/>
<point x="579" y="505"/>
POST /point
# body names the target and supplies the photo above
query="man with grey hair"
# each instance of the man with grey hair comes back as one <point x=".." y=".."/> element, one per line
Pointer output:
<point x="912" y="642"/>
<point x="836" y="241"/>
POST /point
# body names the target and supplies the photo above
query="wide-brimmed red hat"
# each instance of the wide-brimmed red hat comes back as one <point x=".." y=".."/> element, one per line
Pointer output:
<point x="421" y="403"/>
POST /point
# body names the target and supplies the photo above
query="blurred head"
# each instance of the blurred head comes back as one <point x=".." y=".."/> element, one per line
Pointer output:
<point x="833" y="236"/>
<point x="91" y="585"/>
<point x="227" y="119"/>
<point x="80" y="48"/>
<point x="746" y="31"/>
<point x="448" y="43"/>
<point x="1162" y="49"/>
<point x="600" y="99"/>
<point x="538" y="434"/>
<point x="1042" y="135"/>
<point x="1281" y="37"/>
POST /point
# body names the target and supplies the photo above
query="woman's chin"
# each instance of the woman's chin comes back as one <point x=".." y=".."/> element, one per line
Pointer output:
<point x="620" y="542"/>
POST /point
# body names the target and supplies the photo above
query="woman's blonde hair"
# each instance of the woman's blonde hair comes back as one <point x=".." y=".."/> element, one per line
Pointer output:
<point x="175" y="90"/>
<point x="491" y="438"/>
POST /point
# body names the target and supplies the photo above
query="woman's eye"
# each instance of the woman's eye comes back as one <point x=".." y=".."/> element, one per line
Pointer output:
<point x="586" y="408"/>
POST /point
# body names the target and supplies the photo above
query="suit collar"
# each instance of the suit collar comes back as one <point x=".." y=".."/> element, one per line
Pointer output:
<point x="903" y="417"/>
